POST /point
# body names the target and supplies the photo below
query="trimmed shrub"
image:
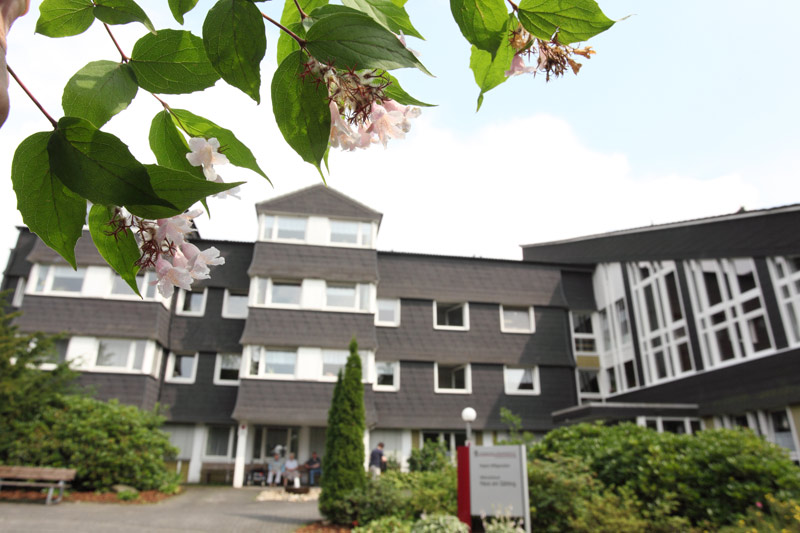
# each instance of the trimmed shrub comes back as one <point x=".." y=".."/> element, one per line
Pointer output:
<point x="773" y="515"/>
<point x="343" y="462"/>
<point x="387" y="524"/>
<point x="432" y="457"/>
<point x="439" y="523"/>
<point x="106" y="442"/>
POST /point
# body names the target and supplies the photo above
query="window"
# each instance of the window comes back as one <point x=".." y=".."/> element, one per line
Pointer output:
<point x="221" y="441"/>
<point x="234" y="305"/>
<point x="58" y="353"/>
<point x="679" y="426"/>
<point x="387" y="375"/>
<point x="333" y="361"/>
<point x="145" y="282"/>
<point x="350" y="232"/>
<point x="588" y="381"/>
<point x="280" y="363"/>
<point x="583" y="332"/>
<point x="192" y="303"/>
<point x="58" y="279"/>
<point x="450" y="315"/>
<point x="516" y="319"/>
<point x="731" y="317"/>
<point x="19" y="293"/>
<point x="284" y="228"/>
<point x="781" y="430"/>
<point x="285" y="292"/>
<point x="521" y="380"/>
<point x="347" y="296"/>
<point x="786" y="278"/>
<point x="388" y="312"/>
<point x="120" y="354"/>
<point x="227" y="368"/>
<point x="181" y="368"/>
<point x="452" y="378"/>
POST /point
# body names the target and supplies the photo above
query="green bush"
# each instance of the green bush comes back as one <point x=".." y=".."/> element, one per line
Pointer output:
<point x="432" y="457"/>
<point x="773" y="515"/>
<point x="503" y="524"/>
<point x="127" y="495"/>
<point x="387" y="524"/>
<point x="106" y="442"/>
<point x="439" y="523"/>
<point x="709" y="478"/>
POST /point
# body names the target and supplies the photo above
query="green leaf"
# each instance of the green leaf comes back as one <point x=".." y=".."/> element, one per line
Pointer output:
<point x="180" y="7"/>
<point x="396" y="93"/>
<point x="99" y="91"/>
<point x="172" y="62"/>
<point x="180" y="188"/>
<point x="98" y="166"/>
<point x="576" y="20"/>
<point x="491" y="71"/>
<point x="355" y="41"/>
<point x="290" y="18"/>
<point x="48" y="208"/>
<point x="62" y="18"/>
<point x="119" y="249"/>
<point x="481" y="22"/>
<point x="301" y="110"/>
<point x="169" y="145"/>
<point x="237" y="153"/>
<point x="235" y="41"/>
<point x="386" y="13"/>
<point x="121" y="12"/>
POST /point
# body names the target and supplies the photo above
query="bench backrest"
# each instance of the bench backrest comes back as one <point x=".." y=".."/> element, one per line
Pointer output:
<point x="37" y="472"/>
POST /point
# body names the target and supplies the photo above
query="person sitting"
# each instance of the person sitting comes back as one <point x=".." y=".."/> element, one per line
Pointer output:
<point x="291" y="470"/>
<point x="314" y="467"/>
<point x="274" y="469"/>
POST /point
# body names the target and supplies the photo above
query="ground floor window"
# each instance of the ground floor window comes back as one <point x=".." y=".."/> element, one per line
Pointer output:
<point x="678" y="425"/>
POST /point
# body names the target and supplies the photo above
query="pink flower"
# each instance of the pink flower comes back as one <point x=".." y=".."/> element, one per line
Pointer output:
<point x="518" y="67"/>
<point x="391" y="120"/>
<point x="230" y="192"/>
<point x="342" y="134"/>
<point x="759" y="505"/>
<point x="171" y="231"/>
<point x="205" y="153"/>
<point x="198" y="262"/>
<point x="170" y="276"/>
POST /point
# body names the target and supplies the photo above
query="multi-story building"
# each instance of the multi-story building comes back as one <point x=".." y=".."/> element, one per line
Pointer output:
<point x="678" y="327"/>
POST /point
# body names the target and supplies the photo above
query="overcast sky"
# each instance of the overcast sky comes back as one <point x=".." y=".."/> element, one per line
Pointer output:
<point x="689" y="109"/>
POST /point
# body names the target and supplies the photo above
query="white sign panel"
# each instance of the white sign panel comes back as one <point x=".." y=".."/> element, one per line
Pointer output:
<point x="498" y="480"/>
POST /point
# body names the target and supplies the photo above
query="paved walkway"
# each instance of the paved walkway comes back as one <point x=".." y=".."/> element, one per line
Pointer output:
<point x="218" y="509"/>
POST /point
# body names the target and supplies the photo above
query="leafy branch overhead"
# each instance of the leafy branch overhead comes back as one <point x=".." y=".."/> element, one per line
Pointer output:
<point x="336" y="86"/>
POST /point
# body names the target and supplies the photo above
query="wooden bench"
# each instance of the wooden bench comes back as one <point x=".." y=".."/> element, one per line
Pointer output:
<point x="39" y="477"/>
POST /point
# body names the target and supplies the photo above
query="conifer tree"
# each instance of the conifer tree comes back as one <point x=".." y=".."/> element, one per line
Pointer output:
<point x="343" y="464"/>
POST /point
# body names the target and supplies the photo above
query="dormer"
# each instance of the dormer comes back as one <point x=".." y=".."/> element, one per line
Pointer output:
<point x="319" y="216"/>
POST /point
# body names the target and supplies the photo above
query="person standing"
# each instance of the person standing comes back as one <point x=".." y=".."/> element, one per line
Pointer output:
<point x="377" y="460"/>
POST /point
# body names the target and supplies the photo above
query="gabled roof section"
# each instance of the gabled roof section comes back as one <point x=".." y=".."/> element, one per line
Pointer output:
<point x="319" y="200"/>
<point x="756" y="233"/>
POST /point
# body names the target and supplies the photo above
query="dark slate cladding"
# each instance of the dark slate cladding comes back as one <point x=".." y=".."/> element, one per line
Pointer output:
<point x="622" y="412"/>
<point x="417" y="406"/>
<point x="761" y="233"/>
<point x="207" y="332"/>
<point x="201" y="401"/>
<point x="18" y="264"/>
<point x="578" y="290"/>
<point x="765" y="383"/>
<point x="291" y="402"/>
<point x="416" y="339"/>
<point x="459" y="279"/>
<point x="131" y="389"/>
<point x="233" y="274"/>
<point x="323" y="329"/>
<point x="280" y="260"/>
<point x="319" y="200"/>
<point x="85" y="253"/>
<point x="95" y="317"/>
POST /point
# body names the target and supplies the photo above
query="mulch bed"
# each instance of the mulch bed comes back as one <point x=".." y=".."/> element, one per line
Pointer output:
<point x="321" y="527"/>
<point x="146" y="496"/>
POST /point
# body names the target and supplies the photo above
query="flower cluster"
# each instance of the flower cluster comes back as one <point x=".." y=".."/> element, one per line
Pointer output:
<point x="361" y="113"/>
<point x="553" y="58"/>
<point x="165" y="248"/>
<point x="205" y="153"/>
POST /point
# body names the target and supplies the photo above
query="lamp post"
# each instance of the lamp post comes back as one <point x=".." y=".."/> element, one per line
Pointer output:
<point x="468" y="415"/>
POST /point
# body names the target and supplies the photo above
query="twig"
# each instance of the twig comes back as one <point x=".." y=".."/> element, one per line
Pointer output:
<point x="514" y="6"/>
<point x="33" y="98"/>
<point x="303" y="14"/>
<point x="292" y="34"/>
<point x="125" y="58"/>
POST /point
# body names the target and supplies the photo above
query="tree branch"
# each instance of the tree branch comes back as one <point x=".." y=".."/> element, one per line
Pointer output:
<point x="33" y="98"/>
<point x="125" y="58"/>
<point x="292" y="34"/>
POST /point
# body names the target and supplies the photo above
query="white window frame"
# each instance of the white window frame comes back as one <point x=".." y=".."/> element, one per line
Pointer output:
<point x="589" y="395"/>
<point x="260" y="352"/>
<point x="273" y="236"/>
<point x="396" y="377"/>
<point x="225" y="303"/>
<point x="231" y="440"/>
<point x="363" y="229"/>
<point x="536" y="391"/>
<point x="128" y="368"/>
<point x="531" y="320"/>
<point x="360" y="292"/>
<point x="144" y="280"/>
<point x="218" y="369"/>
<point x="170" y="378"/>
<point x="270" y="287"/>
<point x="465" y="314"/>
<point x="787" y="291"/>
<point x="19" y="292"/>
<point x="584" y="336"/>
<point x="467" y="379"/>
<point x="397" y="307"/>
<point x="659" y="421"/>
<point x="182" y="299"/>
<point x="48" y="280"/>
